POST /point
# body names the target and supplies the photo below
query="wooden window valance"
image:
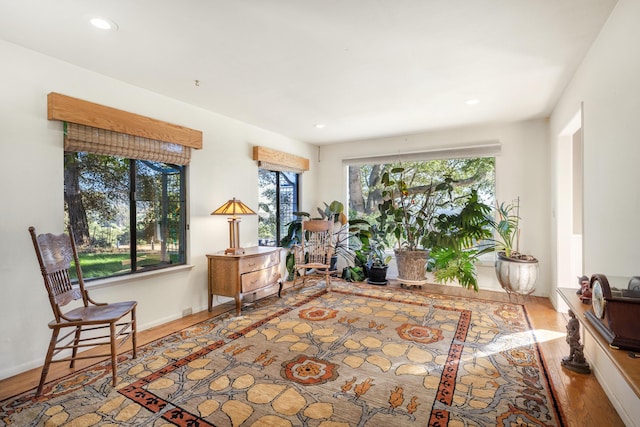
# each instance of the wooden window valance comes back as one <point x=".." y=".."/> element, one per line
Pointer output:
<point x="117" y="129"/>
<point x="279" y="161"/>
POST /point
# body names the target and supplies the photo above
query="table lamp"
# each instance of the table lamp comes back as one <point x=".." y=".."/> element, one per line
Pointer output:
<point x="234" y="207"/>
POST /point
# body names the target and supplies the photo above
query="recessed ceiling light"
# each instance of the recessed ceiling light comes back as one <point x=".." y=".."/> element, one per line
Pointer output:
<point x="472" y="101"/>
<point x="320" y="126"/>
<point x="104" y="24"/>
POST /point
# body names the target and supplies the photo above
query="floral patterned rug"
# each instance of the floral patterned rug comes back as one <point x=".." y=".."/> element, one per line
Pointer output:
<point x="356" y="356"/>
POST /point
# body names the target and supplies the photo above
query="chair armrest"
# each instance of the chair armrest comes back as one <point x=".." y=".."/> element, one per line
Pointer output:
<point x="92" y="301"/>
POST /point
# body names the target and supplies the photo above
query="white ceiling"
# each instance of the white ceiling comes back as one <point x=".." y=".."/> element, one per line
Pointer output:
<point x="364" y="68"/>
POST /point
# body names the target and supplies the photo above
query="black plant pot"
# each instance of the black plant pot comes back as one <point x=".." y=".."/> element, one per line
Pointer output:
<point x="333" y="266"/>
<point x="377" y="275"/>
<point x="333" y="263"/>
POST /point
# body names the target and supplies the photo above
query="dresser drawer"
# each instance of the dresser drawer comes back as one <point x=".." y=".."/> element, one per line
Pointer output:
<point x="259" y="262"/>
<point x="259" y="279"/>
<point x="252" y="272"/>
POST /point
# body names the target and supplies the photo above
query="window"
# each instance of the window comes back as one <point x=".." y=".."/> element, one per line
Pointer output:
<point x="124" y="186"/>
<point x="365" y="192"/>
<point x="278" y="202"/>
<point x="127" y="215"/>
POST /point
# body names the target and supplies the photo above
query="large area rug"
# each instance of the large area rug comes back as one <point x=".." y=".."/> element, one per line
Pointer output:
<point x="355" y="356"/>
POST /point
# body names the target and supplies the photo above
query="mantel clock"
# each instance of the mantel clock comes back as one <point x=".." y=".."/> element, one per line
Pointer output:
<point x="615" y="313"/>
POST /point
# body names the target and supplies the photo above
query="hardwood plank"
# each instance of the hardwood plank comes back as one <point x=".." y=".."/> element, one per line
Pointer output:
<point x="628" y="367"/>
<point x="29" y="379"/>
<point x="582" y="399"/>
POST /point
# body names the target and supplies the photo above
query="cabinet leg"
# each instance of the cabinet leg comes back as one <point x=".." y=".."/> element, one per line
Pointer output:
<point x="210" y="302"/>
<point x="238" y="305"/>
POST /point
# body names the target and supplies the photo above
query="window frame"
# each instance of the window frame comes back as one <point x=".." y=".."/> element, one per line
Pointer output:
<point x="489" y="151"/>
<point x="132" y="201"/>
<point x="278" y="212"/>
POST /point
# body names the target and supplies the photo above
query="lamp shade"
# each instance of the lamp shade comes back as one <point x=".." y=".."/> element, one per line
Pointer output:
<point x="233" y="207"/>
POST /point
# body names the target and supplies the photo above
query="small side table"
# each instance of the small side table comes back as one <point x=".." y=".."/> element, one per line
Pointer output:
<point x="235" y="275"/>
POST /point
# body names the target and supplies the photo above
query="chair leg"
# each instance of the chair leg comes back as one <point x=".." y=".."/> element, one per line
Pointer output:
<point x="75" y="347"/>
<point x="47" y="360"/>
<point x="328" y="280"/>
<point x="296" y="275"/>
<point x="114" y="356"/>
<point x="134" y="330"/>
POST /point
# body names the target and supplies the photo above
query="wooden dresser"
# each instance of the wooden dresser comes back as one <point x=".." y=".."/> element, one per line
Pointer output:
<point x="237" y="275"/>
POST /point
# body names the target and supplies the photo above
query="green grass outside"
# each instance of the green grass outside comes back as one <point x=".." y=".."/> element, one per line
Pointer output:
<point x="109" y="264"/>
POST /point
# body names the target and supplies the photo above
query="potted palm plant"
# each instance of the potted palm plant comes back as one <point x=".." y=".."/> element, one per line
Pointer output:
<point x="461" y="239"/>
<point x="516" y="272"/>
<point x="465" y="236"/>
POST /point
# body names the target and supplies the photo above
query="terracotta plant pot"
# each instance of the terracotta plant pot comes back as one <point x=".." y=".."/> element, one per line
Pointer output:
<point x="412" y="265"/>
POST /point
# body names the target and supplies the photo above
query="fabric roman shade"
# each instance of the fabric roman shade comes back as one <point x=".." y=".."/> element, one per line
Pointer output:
<point x="276" y="167"/>
<point x="483" y="149"/>
<point x="89" y="139"/>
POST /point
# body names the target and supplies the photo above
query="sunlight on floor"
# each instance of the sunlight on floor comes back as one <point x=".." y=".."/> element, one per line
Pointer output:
<point x="543" y="335"/>
<point x="520" y="339"/>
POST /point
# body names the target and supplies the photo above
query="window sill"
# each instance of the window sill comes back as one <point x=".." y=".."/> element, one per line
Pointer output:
<point x="104" y="283"/>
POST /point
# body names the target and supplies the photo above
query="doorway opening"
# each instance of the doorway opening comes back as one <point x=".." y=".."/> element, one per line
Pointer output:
<point x="569" y="204"/>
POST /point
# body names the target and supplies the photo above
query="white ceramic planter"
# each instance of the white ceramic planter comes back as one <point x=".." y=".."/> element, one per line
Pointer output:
<point x="516" y="275"/>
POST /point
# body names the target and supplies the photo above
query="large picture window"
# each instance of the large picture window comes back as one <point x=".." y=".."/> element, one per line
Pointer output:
<point x="365" y="188"/>
<point x="278" y="202"/>
<point x="127" y="215"/>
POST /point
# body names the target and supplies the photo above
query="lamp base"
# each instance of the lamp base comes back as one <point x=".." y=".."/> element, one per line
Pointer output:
<point x="234" y="251"/>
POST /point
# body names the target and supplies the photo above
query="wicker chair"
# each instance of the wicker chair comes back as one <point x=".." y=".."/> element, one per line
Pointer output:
<point x="313" y="254"/>
<point x="55" y="253"/>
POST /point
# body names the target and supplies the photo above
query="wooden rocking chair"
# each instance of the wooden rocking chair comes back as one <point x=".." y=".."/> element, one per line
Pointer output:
<point x="313" y="254"/>
<point x="55" y="253"/>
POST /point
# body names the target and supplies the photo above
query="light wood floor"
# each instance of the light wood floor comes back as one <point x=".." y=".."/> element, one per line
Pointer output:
<point x="580" y="396"/>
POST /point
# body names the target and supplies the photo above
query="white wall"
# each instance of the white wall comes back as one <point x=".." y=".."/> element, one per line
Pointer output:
<point x="608" y="86"/>
<point x="521" y="170"/>
<point x="32" y="194"/>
